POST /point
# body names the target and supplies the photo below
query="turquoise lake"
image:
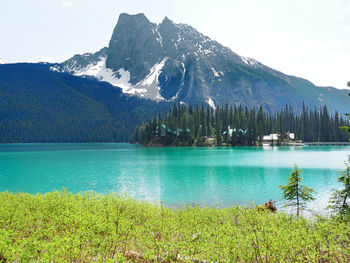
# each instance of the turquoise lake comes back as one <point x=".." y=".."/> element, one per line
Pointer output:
<point x="205" y="176"/>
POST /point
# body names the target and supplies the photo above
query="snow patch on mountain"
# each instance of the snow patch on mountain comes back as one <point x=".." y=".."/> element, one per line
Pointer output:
<point x="159" y="38"/>
<point x="206" y="52"/>
<point x="152" y="77"/>
<point x="183" y="74"/>
<point x="151" y="83"/>
<point x="250" y="61"/>
<point x="211" y="103"/>
<point x="98" y="70"/>
<point x="55" y="69"/>
<point x="147" y="88"/>
<point x="122" y="80"/>
<point x="216" y="73"/>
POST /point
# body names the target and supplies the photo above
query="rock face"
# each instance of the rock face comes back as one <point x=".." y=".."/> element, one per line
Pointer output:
<point x="174" y="62"/>
<point x="134" y="46"/>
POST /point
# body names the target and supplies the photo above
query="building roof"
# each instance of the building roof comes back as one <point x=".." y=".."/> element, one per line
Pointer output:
<point x="271" y="137"/>
<point x="274" y="136"/>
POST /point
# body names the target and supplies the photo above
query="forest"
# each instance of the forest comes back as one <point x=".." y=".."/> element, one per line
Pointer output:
<point x="238" y="126"/>
<point x="38" y="105"/>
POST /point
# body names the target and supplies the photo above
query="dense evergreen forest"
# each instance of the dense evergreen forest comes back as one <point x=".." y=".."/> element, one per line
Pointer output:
<point x="238" y="125"/>
<point x="38" y="105"/>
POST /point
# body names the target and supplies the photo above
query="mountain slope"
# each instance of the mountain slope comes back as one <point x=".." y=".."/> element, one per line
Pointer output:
<point x="176" y="63"/>
<point x="38" y="105"/>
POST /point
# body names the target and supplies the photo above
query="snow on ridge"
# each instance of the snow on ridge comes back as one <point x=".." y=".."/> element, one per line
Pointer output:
<point x="152" y="77"/>
<point x="91" y="69"/>
<point x="184" y="73"/>
<point x="217" y="74"/>
<point x="51" y="68"/>
<point x="206" y="51"/>
<point x="148" y="87"/>
<point x="179" y="38"/>
<point x="1" y="62"/>
<point x="150" y="82"/>
<point x="211" y="103"/>
<point x="159" y="38"/>
<point x="99" y="71"/>
<point x="249" y="61"/>
<point x="175" y="96"/>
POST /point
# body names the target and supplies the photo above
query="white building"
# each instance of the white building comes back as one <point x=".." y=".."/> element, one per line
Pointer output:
<point x="285" y="136"/>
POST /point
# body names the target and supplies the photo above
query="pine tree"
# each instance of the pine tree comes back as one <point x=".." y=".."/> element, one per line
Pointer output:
<point x="260" y="124"/>
<point x="186" y="125"/>
<point x="203" y="124"/>
<point x="340" y="199"/>
<point x="295" y="193"/>
<point x="209" y="127"/>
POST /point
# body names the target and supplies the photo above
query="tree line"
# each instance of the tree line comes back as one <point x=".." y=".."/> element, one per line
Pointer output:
<point x="238" y="125"/>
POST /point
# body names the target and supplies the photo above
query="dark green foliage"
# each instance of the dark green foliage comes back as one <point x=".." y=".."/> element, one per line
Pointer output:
<point x="38" y="105"/>
<point x="87" y="227"/>
<point x="340" y="199"/>
<point x="345" y="128"/>
<point x="297" y="194"/>
<point x="237" y="125"/>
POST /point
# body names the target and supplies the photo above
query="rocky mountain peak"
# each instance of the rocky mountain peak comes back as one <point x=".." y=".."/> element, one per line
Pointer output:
<point x="134" y="46"/>
<point x="166" y="21"/>
<point x="135" y="23"/>
<point x="174" y="62"/>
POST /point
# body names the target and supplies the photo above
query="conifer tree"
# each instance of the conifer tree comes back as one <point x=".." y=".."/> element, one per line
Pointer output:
<point x="340" y="199"/>
<point x="297" y="194"/>
<point x="260" y="124"/>
<point x="346" y="128"/>
<point x="186" y="125"/>
<point x="209" y="127"/>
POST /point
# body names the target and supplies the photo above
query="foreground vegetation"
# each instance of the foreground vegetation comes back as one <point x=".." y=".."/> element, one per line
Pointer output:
<point x="63" y="227"/>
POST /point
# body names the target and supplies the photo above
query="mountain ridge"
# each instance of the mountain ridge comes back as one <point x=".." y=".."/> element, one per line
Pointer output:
<point x="176" y="63"/>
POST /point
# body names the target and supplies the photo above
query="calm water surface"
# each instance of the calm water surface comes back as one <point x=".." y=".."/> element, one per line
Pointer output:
<point x="205" y="176"/>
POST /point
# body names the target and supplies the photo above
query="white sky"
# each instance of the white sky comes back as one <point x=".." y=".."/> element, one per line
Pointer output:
<point x="306" y="38"/>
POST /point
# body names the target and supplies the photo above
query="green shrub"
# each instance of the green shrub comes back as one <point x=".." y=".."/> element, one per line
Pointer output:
<point x="66" y="227"/>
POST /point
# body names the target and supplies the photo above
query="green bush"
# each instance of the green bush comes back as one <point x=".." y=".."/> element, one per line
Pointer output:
<point x="66" y="227"/>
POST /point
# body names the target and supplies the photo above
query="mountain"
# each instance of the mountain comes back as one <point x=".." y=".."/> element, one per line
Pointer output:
<point x="176" y="63"/>
<point x="39" y="104"/>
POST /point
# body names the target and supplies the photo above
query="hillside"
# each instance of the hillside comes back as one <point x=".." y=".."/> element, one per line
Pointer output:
<point x="40" y="105"/>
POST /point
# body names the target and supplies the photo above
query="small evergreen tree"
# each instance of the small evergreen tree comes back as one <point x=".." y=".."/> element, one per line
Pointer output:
<point x="346" y="128"/>
<point x="295" y="193"/>
<point x="340" y="198"/>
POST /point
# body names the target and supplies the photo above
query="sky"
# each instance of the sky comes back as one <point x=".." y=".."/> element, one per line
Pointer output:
<point x="308" y="39"/>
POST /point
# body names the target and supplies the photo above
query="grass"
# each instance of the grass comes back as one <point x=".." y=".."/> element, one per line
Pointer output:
<point x="66" y="227"/>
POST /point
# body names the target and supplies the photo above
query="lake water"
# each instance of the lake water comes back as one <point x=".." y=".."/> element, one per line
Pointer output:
<point x="205" y="176"/>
